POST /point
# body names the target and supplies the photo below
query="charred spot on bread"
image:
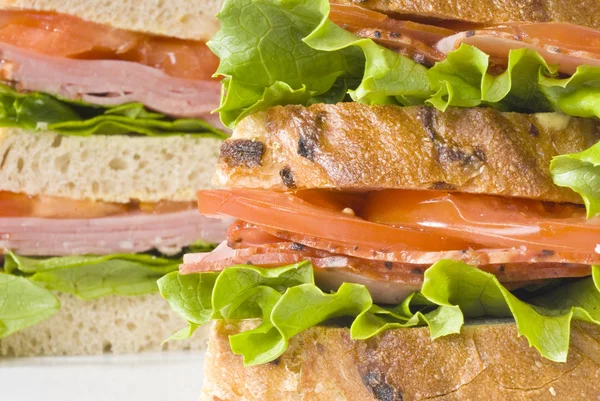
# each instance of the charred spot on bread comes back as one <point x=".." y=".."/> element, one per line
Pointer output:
<point x="479" y="154"/>
<point x="242" y="153"/>
<point x="547" y="252"/>
<point x="448" y="152"/>
<point x="443" y="186"/>
<point x="452" y="153"/>
<point x="388" y="265"/>
<point x="287" y="177"/>
<point x="375" y="382"/>
<point x="426" y="115"/>
<point x="308" y="142"/>
<point x="534" y="131"/>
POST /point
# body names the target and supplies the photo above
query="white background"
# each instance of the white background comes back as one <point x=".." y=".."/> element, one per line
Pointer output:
<point x="165" y="376"/>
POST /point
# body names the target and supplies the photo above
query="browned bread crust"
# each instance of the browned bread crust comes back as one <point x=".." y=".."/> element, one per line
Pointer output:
<point x="356" y="146"/>
<point x="584" y="12"/>
<point x="485" y="362"/>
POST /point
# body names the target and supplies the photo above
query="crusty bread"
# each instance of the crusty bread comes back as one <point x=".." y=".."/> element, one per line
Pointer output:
<point x="106" y="168"/>
<point x="485" y="362"/>
<point x="583" y="12"/>
<point x="352" y="145"/>
<point x="113" y="324"/>
<point x="176" y="18"/>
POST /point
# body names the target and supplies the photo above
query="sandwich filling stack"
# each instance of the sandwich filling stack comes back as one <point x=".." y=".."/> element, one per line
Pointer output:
<point x="102" y="127"/>
<point x="396" y="165"/>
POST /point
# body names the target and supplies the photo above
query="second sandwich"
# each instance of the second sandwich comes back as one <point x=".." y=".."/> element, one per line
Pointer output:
<point x="105" y="112"/>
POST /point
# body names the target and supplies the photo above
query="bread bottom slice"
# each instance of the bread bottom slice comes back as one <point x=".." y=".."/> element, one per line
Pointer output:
<point x="113" y="324"/>
<point x="486" y="361"/>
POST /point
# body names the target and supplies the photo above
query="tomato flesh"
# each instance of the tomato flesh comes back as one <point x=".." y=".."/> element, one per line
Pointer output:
<point x="396" y="220"/>
<point x="291" y="214"/>
<point x="21" y="205"/>
<point x="504" y="220"/>
<point x="67" y="36"/>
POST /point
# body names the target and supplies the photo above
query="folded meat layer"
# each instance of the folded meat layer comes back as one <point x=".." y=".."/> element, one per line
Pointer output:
<point x="108" y="82"/>
<point x="130" y="233"/>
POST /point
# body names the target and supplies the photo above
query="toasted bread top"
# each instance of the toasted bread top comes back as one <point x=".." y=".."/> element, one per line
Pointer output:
<point x="584" y="13"/>
<point x="359" y="147"/>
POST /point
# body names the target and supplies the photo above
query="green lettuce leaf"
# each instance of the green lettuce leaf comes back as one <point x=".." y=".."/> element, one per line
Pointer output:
<point x="264" y="60"/>
<point x="580" y="172"/>
<point x="190" y="296"/>
<point x="389" y="78"/>
<point x="38" y="111"/>
<point x="26" y="282"/>
<point x="91" y="277"/>
<point x="545" y="322"/>
<point x="23" y="304"/>
<point x="286" y="301"/>
<point x="442" y="320"/>
<point x="276" y="52"/>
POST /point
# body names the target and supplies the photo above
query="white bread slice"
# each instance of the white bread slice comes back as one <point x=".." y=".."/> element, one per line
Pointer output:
<point x="106" y="168"/>
<point x="113" y="324"/>
<point x="487" y="361"/>
<point x="183" y="19"/>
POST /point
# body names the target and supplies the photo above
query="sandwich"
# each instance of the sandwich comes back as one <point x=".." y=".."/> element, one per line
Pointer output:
<point x="105" y="137"/>
<point x="416" y="189"/>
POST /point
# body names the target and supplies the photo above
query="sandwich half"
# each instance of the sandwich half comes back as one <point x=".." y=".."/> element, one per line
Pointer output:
<point x="105" y="137"/>
<point x="416" y="191"/>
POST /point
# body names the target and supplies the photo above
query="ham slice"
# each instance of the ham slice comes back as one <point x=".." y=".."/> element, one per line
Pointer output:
<point x="130" y="233"/>
<point x="108" y="82"/>
<point x="388" y="282"/>
<point x="242" y="235"/>
<point x="330" y="272"/>
<point x="499" y="44"/>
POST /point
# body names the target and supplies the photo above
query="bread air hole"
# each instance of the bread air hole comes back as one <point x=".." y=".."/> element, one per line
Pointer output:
<point x="57" y="141"/>
<point x="106" y="347"/>
<point x="117" y="164"/>
<point x="61" y="163"/>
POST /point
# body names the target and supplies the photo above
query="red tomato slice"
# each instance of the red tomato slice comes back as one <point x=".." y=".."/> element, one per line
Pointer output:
<point x="287" y="212"/>
<point x="20" y="205"/>
<point x="67" y="36"/>
<point x="527" y="223"/>
<point x="396" y="221"/>
<point x="162" y="207"/>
